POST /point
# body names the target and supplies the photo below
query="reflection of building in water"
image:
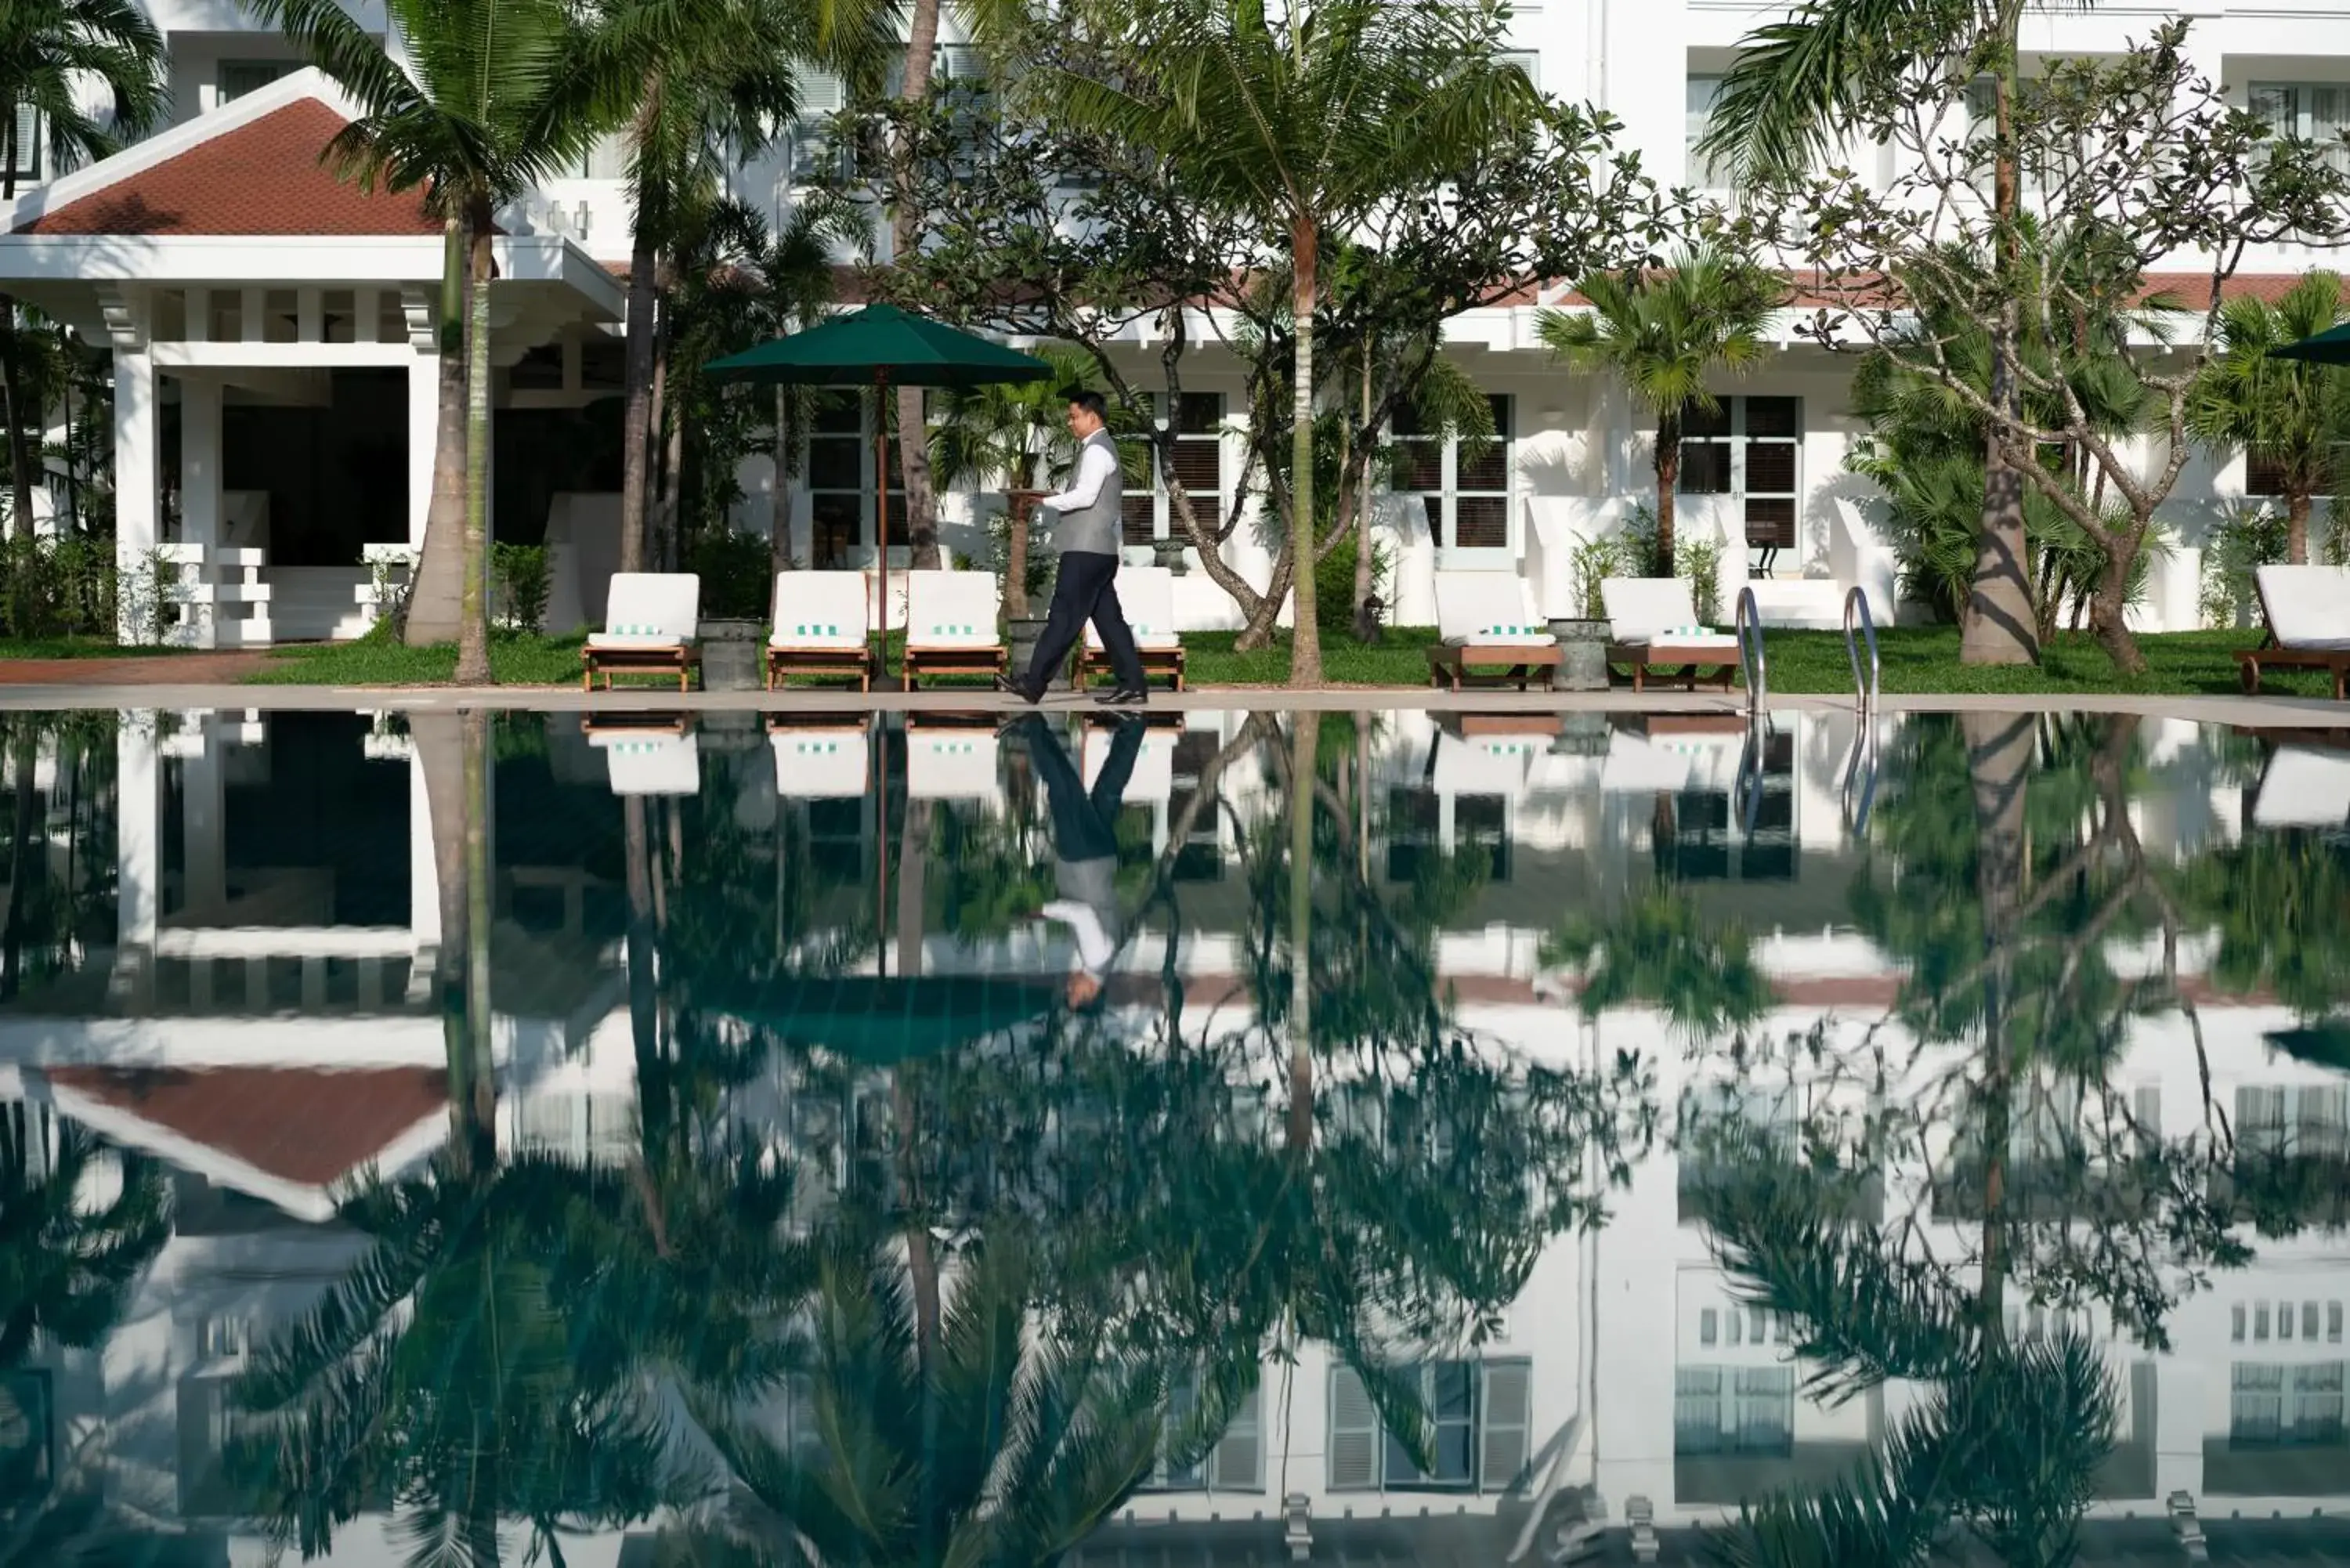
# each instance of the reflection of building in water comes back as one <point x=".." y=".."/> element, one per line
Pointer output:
<point x="262" y="1024"/>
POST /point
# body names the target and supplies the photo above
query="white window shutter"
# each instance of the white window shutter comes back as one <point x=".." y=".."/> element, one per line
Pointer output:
<point x="1354" y="1432"/>
<point x="27" y="148"/>
<point x="1527" y="61"/>
<point x="821" y="92"/>
<point x="1509" y="1420"/>
<point x="1237" y="1461"/>
<point x="961" y="62"/>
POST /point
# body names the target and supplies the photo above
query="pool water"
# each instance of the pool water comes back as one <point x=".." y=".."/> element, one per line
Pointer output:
<point x="1225" y="1138"/>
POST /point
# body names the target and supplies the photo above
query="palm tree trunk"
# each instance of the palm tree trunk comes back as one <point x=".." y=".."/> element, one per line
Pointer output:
<point x="921" y="511"/>
<point x="436" y="594"/>
<point x="20" y="457"/>
<point x="673" y="476"/>
<point x="1669" y="473"/>
<point x="779" y="494"/>
<point x="1999" y="627"/>
<point x="440" y="749"/>
<point x="2296" y="528"/>
<point x="1999" y="764"/>
<point x="637" y="850"/>
<point x="473" y="623"/>
<point x="1305" y="730"/>
<point x="636" y="413"/>
<point x="484" y="1084"/>
<point x="2109" y="608"/>
<point x="1305" y="637"/>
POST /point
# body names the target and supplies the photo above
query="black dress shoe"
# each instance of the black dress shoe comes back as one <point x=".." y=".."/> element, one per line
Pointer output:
<point x="1031" y="695"/>
<point x="1125" y="697"/>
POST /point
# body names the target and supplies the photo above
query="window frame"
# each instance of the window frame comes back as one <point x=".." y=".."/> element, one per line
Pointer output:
<point x="28" y="145"/>
<point x="1737" y="437"/>
<point x="1443" y="521"/>
<point x="1479" y="1430"/>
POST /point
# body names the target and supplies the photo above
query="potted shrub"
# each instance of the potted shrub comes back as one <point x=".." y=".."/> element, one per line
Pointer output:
<point x="1583" y="637"/>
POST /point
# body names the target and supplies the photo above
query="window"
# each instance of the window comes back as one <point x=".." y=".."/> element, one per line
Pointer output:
<point x="1466" y="495"/>
<point x="1528" y="62"/>
<point x="2332" y="1322"/>
<point x="23" y="158"/>
<point x="2301" y="1121"/>
<point x="223" y="1338"/>
<point x="1481" y="1422"/>
<point x="2313" y="111"/>
<point x="1705" y="1325"/>
<point x="238" y="78"/>
<point x="608" y="159"/>
<point x="1697" y="121"/>
<point x="1236" y="1462"/>
<point x="1197" y="462"/>
<point x="2274" y="1404"/>
<point x="1734" y="1410"/>
<point x="808" y="144"/>
<point x="1749" y="448"/>
<point x="839" y="473"/>
<point x="2236" y="1323"/>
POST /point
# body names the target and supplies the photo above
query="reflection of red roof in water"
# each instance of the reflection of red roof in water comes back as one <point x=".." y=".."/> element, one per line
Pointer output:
<point x="261" y="178"/>
<point x="305" y="1124"/>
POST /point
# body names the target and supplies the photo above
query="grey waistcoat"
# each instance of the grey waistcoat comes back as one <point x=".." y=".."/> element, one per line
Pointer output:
<point x="1094" y="528"/>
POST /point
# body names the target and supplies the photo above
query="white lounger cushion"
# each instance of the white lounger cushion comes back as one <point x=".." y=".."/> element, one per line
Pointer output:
<point x="1486" y="764"/>
<point x="649" y="609"/>
<point x="1153" y="779"/>
<point x="1147" y="595"/>
<point x="1489" y="609"/>
<point x="821" y="610"/>
<point x="1659" y="609"/>
<point x="821" y="763"/>
<point x="955" y="764"/>
<point x="2308" y="607"/>
<point x="651" y="765"/>
<point x="951" y="609"/>
<point x="2304" y="787"/>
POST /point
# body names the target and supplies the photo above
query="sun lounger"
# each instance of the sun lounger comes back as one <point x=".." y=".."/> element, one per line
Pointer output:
<point x="953" y="760"/>
<point x="1487" y="762"/>
<point x="816" y="761"/>
<point x="1488" y="618"/>
<point x="1652" y="627"/>
<point x="950" y="625"/>
<point x="1147" y="595"/>
<point x="649" y="624"/>
<point x="1153" y="779"/>
<point x="657" y="758"/>
<point x="2304" y="786"/>
<point x="823" y="625"/>
<point x="2308" y="611"/>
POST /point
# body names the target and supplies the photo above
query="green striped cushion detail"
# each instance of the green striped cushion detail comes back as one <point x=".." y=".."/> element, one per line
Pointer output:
<point x="1508" y="630"/>
<point x="811" y="628"/>
<point x="633" y="629"/>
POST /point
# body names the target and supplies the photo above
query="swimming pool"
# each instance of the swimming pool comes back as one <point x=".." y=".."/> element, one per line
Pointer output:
<point x="1395" y="1136"/>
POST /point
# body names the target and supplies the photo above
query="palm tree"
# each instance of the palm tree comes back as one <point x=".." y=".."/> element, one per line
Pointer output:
<point x="52" y="52"/>
<point x="504" y="94"/>
<point x="1786" y="102"/>
<point x="994" y="1445"/>
<point x="66" y="1267"/>
<point x="1306" y="118"/>
<point x="1663" y="334"/>
<point x="2293" y="414"/>
<point x="1660" y="949"/>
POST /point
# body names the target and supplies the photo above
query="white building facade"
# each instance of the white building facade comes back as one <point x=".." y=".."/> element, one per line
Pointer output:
<point x="275" y="367"/>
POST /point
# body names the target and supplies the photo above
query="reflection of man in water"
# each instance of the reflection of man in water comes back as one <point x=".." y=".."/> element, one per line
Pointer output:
<point x="1085" y="848"/>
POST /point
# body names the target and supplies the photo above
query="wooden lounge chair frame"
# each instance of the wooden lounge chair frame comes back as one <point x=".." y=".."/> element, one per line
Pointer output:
<point x="680" y="659"/>
<point x="1166" y="661"/>
<point x="1449" y="664"/>
<point x="918" y="663"/>
<point x="641" y="723"/>
<point x="855" y="664"/>
<point x="2334" y="661"/>
<point x="1661" y="658"/>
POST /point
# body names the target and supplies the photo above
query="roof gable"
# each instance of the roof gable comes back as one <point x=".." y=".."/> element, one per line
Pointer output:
<point x="231" y="172"/>
<point x="306" y="1126"/>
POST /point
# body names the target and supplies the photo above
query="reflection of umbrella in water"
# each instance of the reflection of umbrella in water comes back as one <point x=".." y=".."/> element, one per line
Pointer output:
<point x="2322" y="1044"/>
<point x="880" y="1021"/>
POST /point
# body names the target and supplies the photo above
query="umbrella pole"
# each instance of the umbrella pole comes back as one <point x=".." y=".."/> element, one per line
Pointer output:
<point x="881" y="514"/>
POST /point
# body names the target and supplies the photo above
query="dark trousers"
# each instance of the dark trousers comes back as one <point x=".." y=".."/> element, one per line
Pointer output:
<point x="1086" y="590"/>
<point x="1085" y="823"/>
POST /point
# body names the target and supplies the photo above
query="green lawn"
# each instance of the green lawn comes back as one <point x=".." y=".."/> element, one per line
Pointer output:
<point x="1917" y="660"/>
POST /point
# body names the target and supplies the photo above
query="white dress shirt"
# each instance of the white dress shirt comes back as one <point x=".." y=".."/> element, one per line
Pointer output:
<point x="1097" y="466"/>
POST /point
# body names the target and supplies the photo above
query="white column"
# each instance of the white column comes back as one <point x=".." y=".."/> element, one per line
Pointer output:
<point x="136" y="513"/>
<point x="423" y="876"/>
<point x="138" y="848"/>
<point x="200" y="461"/>
<point x="423" y="437"/>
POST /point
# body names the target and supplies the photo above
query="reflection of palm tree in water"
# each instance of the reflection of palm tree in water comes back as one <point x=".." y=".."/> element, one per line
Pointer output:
<point x="1085" y="845"/>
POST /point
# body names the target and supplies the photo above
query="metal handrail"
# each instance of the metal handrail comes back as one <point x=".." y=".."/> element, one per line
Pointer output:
<point x="1751" y="659"/>
<point x="1856" y="615"/>
<point x="1863" y="756"/>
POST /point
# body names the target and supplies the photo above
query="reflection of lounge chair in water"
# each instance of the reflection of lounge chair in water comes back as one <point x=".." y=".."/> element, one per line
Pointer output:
<point x="651" y="758"/>
<point x="1085" y="847"/>
<point x="2304" y="786"/>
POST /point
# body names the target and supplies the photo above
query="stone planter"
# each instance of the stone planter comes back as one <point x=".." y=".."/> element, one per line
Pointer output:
<point x="1020" y="637"/>
<point x="731" y="654"/>
<point x="1582" y="655"/>
<point x="1168" y="552"/>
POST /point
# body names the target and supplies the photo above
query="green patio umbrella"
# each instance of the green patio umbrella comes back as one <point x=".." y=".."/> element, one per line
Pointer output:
<point x="879" y="346"/>
<point x="2330" y="346"/>
<point x="878" y="1021"/>
<point x="2326" y="1043"/>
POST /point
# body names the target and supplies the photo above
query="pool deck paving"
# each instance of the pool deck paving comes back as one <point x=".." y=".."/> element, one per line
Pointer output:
<point x="135" y="683"/>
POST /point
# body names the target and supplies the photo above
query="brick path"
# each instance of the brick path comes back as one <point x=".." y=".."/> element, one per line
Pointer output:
<point x="167" y="669"/>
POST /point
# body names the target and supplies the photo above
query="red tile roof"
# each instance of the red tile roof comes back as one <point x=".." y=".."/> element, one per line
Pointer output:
<point x="261" y="178"/>
<point x="304" y="1125"/>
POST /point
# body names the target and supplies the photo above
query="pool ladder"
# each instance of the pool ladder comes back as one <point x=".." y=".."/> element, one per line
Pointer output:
<point x="1751" y="661"/>
<point x="1860" y="768"/>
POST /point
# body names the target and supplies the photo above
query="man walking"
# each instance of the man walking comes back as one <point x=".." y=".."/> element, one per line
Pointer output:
<point x="1085" y="848"/>
<point x="1086" y="530"/>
